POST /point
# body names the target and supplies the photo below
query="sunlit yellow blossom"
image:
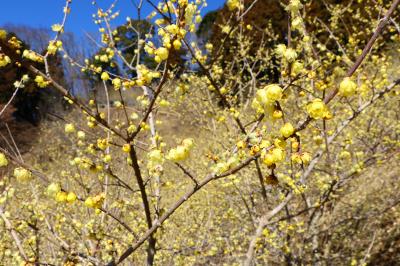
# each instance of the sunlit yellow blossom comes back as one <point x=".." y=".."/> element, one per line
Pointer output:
<point x="61" y="196"/>
<point x="177" y="44"/>
<point x="287" y="130"/>
<point x="53" y="189"/>
<point x="162" y="53"/>
<point x="188" y="143"/>
<point x="179" y="153"/>
<point x="345" y="155"/>
<point x="117" y="83"/>
<point x="107" y="158"/>
<point x="71" y="197"/>
<point x="155" y="156"/>
<point x="102" y="144"/>
<point x="4" y="60"/>
<point x="347" y="87"/>
<point x="41" y="82"/>
<point x="306" y="157"/>
<point x="52" y="48"/>
<point x="280" y="49"/>
<point x="268" y="159"/>
<point x="274" y="92"/>
<point x="209" y="47"/>
<point x="96" y="201"/>
<point x="290" y="55"/>
<point x="126" y="148"/>
<point x="294" y="6"/>
<point x="22" y="174"/>
<point x="104" y="76"/>
<point x="278" y="154"/>
<point x="233" y="4"/>
<point x="69" y="128"/>
<point x="56" y="27"/>
<point x="3" y="34"/>
<point x="3" y="160"/>
<point x="277" y="114"/>
<point x="317" y="109"/>
<point x="81" y="135"/>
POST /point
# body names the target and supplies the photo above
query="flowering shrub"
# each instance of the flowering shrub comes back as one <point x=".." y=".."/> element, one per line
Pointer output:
<point x="214" y="167"/>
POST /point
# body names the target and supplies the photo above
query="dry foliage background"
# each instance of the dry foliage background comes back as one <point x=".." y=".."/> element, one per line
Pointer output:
<point x="106" y="183"/>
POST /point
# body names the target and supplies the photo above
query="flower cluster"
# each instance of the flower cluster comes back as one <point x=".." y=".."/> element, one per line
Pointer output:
<point x="95" y="202"/>
<point x="317" y="109"/>
<point x="181" y="152"/>
<point x="265" y="99"/>
<point x="53" y="47"/>
<point x="33" y="56"/>
<point x="41" y="82"/>
<point x="4" y="60"/>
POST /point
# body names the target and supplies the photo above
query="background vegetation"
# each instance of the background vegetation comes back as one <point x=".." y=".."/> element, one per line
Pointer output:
<point x="266" y="132"/>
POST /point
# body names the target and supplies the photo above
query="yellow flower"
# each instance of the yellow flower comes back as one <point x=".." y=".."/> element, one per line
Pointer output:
<point x="183" y="2"/>
<point x="306" y="157"/>
<point x="126" y="148"/>
<point x="3" y="34"/>
<point x="268" y="159"/>
<point x="345" y="155"/>
<point x="278" y="155"/>
<point x="162" y="53"/>
<point x="261" y="98"/>
<point x="297" y="68"/>
<point x="41" y="82"/>
<point x="61" y="196"/>
<point x="290" y="55"/>
<point x="52" y="48"/>
<point x="347" y="87"/>
<point x="105" y="76"/>
<point x="294" y="6"/>
<point x="69" y="128"/>
<point x="22" y="174"/>
<point x="317" y="109"/>
<point x="233" y="4"/>
<point x="53" y="189"/>
<point x="277" y="114"/>
<point x="89" y="202"/>
<point x="71" y="197"/>
<point x="297" y="23"/>
<point x="3" y="160"/>
<point x="180" y="153"/>
<point x="81" y="135"/>
<point x="296" y="158"/>
<point x="188" y="143"/>
<point x="4" y="60"/>
<point x="241" y="144"/>
<point x="155" y="156"/>
<point x="287" y="130"/>
<point x="280" y="49"/>
<point x="117" y="83"/>
<point x="102" y="144"/>
<point x="177" y="44"/>
<point x="95" y="202"/>
<point x="56" y="27"/>
<point x="107" y="158"/>
<point x="164" y="103"/>
<point x="132" y="128"/>
<point x="118" y="104"/>
<point x="274" y="92"/>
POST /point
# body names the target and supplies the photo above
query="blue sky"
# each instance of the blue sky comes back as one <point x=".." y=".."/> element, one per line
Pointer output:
<point x="44" y="13"/>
